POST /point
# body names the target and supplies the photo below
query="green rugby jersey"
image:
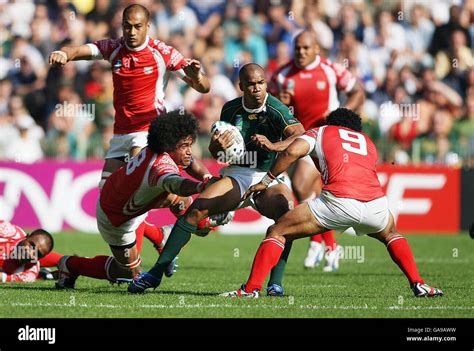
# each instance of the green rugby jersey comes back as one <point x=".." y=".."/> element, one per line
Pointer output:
<point x="270" y="120"/>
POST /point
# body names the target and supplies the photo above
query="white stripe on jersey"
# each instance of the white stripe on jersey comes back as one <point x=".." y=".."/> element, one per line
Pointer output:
<point x="160" y="82"/>
<point x="332" y="80"/>
<point x="282" y="76"/>
<point x="144" y="193"/>
<point x="320" y="152"/>
<point x="95" y="52"/>
<point x="114" y="53"/>
<point x="310" y="141"/>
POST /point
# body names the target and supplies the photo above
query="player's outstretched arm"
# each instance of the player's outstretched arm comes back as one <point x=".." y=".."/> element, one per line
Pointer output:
<point x="70" y="53"/>
<point x="297" y="149"/>
<point x="291" y="133"/>
<point x="175" y="184"/>
<point x="198" y="170"/>
<point x="195" y="78"/>
<point x="356" y="97"/>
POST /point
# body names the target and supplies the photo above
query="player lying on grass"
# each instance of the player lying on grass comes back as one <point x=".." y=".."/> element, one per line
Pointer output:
<point x="264" y="122"/>
<point x="150" y="180"/>
<point x="351" y="197"/>
<point x="24" y="258"/>
<point x="22" y="255"/>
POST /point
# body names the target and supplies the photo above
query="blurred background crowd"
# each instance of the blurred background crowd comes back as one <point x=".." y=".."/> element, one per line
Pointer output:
<point x="414" y="58"/>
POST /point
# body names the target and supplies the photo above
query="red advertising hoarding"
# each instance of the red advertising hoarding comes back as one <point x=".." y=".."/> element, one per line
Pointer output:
<point x="62" y="195"/>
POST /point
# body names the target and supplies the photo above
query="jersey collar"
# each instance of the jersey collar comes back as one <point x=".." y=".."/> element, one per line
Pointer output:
<point x="141" y="47"/>
<point x="256" y="110"/>
<point x="313" y="64"/>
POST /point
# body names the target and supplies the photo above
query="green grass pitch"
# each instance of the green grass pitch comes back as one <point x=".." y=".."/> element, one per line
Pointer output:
<point x="211" y="265"/>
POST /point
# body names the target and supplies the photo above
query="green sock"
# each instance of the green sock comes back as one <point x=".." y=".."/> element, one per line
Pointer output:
<point x="276" y="277"/>
<point x="179" y="237"/>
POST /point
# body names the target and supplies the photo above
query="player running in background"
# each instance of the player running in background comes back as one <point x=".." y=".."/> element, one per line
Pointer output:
<point x="140" y="68"/>
<point x="150" y="180"/>
<point x="310" y="84"/>
<point x="351" y="197"/>
<point x="264" y="122"/>
<point x="22" y="255"/>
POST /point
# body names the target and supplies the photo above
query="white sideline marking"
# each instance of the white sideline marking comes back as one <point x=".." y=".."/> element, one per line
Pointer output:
<point x="192" y="306"/>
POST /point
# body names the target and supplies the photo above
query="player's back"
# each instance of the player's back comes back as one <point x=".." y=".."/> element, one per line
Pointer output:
<point x="10" y="236"/>
<point x="347" y="161"/>
<point x="10" y="233"/>
<point x="135" y="188"/>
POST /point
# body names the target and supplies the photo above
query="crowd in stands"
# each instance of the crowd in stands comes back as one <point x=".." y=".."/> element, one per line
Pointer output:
<point x="414" y="58"/>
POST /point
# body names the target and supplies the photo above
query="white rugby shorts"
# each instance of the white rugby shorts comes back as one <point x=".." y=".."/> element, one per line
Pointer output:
<point x="246" y="177"/>
<point x="342" y="213"/>
<point x="122" y="144"/>
<point x="117" y="236"/>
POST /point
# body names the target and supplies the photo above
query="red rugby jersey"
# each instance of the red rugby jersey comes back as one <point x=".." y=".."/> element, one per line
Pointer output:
<point x="314" y="87"/>
<point x="346" y="160"/>
<point x="140" y="76"/>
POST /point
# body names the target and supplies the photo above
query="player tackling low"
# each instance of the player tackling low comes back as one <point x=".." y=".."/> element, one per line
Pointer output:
<point x="351" y="197"/>
<point x="150" y="180"/>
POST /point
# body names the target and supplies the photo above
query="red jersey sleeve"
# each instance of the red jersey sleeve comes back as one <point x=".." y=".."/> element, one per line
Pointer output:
<point x="163" y="165"/>
<point x="173" y="59"/>
<point x="273" y="84"/>
<point x="29" y="275"/>
<point x="345" y="80"/>
<point x="311" y="136"/>
<point x="107" y="46"/>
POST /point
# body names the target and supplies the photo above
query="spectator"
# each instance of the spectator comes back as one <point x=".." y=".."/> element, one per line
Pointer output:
<point x="248" y="47"/>
<point x="174" y="18"/>
<point x="277" y="28"/>
<point x="22" y="135"/>
<point x="443" y="34"/>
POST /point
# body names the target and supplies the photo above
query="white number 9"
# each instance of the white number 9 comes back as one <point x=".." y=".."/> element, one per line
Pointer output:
<point x="354" y="138"/>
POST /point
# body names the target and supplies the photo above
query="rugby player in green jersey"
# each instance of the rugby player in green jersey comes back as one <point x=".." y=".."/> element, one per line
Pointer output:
<point x="267" y="127"/>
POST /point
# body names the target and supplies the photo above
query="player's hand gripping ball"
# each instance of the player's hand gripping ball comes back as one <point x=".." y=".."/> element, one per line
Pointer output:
<point x="234" y="152"/>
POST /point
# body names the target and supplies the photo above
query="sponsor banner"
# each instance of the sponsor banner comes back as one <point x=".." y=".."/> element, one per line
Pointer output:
<point x="467" y="198"/>
<point x="423" y="199"/>
<point x="58" y="195"/>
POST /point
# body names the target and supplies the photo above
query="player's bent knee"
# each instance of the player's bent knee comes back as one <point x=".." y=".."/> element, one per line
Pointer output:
<point x="196" y="213"/>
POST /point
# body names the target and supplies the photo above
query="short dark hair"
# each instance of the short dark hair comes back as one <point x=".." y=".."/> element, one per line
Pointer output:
<point x="344" y="117"/>
<point x="47" y="236"/>
<point x="245" y="69"/>
<point x="136" y="7"/>
<point x="169" y="128"/>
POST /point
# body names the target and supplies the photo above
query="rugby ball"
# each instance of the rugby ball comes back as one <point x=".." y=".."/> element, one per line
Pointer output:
<point x="234" y="152"/>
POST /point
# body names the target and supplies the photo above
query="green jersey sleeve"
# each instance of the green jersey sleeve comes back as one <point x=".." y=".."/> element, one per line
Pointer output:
<point x="280" y="113"/>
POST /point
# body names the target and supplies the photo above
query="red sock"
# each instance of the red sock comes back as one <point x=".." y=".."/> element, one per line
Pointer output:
<point x="139" y="234"/>
<point x="154" y="234"/>
<point x="89" y="267"/>
<point x="266" y="258"/>
<point x="318" y="238"/>
<point x="329" y="240"/>
<point x="50" y="260"/>
<point x="401" y="254"/>
<point x="151" y="232"/>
